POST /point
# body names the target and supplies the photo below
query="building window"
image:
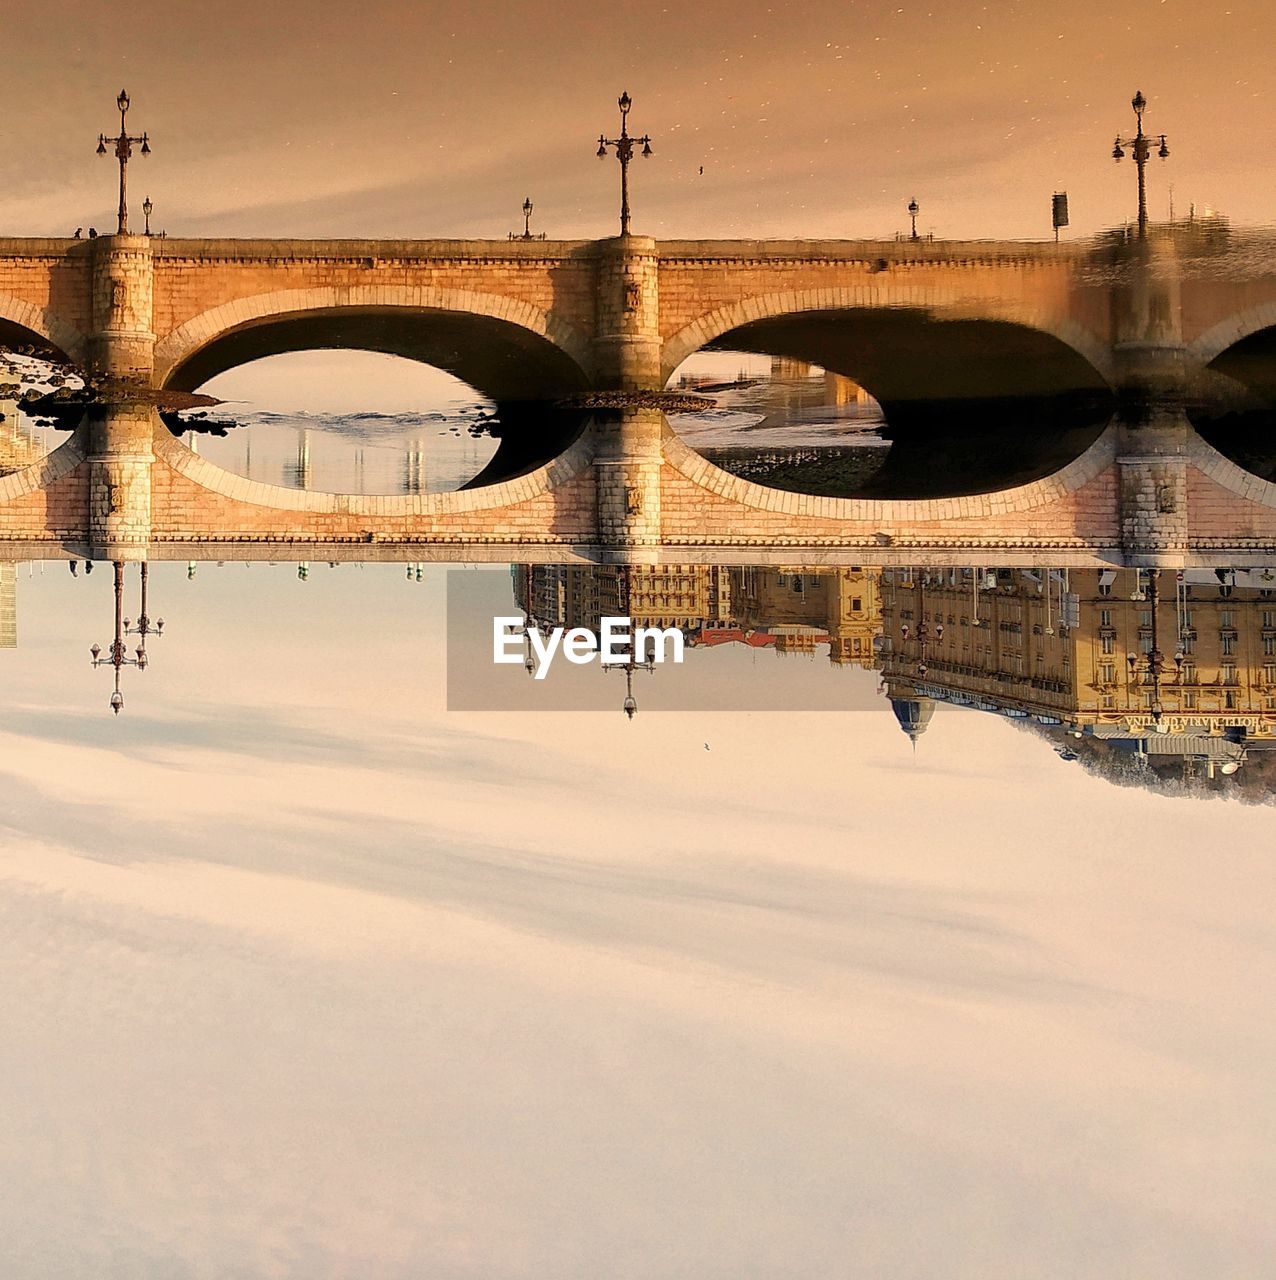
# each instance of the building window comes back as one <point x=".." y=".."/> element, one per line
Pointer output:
<point x="1269" y="646"/>
<point x="1109" y="644"/>
<point x="1189" y="701"/>
<point x="1107" y="673"/>
<point x="1227" y="643"/>
<point x="1105" y="617"/>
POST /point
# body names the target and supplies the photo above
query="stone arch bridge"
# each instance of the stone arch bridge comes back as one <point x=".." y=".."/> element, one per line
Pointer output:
<point x="1188" y="315"/>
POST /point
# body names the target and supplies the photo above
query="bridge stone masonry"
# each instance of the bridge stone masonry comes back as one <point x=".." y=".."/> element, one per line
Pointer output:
<point x="1145" y="329"/>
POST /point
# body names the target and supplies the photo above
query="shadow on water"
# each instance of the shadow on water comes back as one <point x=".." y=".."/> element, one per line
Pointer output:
<point x="934" y="449"/>
<point x="1246" y="437"/>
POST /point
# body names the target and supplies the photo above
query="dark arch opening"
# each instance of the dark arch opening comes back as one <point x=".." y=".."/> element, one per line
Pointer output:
<point x="18" y="338"/>
<point x="43" y="383"/>
<point x="525" y="374"/>
<point x="970" y="405"/>
<point x="1234" y="405"/>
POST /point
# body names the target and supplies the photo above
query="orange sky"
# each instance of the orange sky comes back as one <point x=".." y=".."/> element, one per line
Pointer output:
<point x="420" y="119"/>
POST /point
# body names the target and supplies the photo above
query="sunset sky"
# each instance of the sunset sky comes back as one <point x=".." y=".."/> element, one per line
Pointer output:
<point x="822" y="118"/>
<point x="307" y="979"/>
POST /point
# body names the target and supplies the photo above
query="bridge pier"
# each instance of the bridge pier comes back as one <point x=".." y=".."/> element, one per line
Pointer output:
<point x="120" y="458"/>
<point x="1154" y="432"/>
<point x="627" y="351"/>
<point x="120" y="434"/>
<point x="627" y="461"/>
<point x="627" y="344"/>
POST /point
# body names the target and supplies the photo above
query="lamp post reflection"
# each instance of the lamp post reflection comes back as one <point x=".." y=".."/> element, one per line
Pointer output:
<point x="1148" y="669"/>
<point x="527" y="233"/>
<point x="143" y="627"/>
<point x="117" y="655"/>
<point x="922" y="633"/>
<point x="624" y="146"/>
<point x="1141" y="144"/>
<point x="632" y="663"/>
<point x="123" y="152"/>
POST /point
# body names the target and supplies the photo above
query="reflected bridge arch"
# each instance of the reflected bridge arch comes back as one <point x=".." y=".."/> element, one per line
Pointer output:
<point x="507" y="349"/>
<point x="523" y="358"/>
<point x="24" y="325"/>
<point x="973" y="397"/>
<point x="904" y="343"/>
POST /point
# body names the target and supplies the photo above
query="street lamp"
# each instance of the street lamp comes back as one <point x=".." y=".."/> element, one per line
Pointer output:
<point x="923" y="632"/>
<point x="528" y="206"/>
<point x="632" y="663"/>
<point x="624" y="153"/>
<point x="1142" y="145"/>
<point x="1152" y="663"/>
<point x="144" y="627"/>
<point x="117" y="655"/>
<point x="147" y="209"/>
<point x="123" y="150"/>
<point x="913" y="210"/>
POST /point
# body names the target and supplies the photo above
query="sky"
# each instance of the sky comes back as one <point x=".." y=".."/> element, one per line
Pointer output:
<point x="819" y="119"/>
<point x="309" y="978"/>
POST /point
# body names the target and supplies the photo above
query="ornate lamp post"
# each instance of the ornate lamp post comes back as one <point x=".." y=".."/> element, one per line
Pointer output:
<point x="528" y="206"/>
<point x="632" y="663"/>
<point x="1142" y="147"/>
<point x="147" y="209"/>
<point x="913" y="210"/>
<point x="123" y="150"/>
<point x="1153" y="662"/>
<point x="624" y="153"/>
<point x="144" y="627"/>
<point x="117" y="655"/>
<point x="922" y="633"/>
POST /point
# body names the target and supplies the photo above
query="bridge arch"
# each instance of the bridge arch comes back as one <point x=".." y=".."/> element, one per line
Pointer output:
<point x="890" y="297"/>
<point x="373" y="508"/>
<point x="1208" y="345"/>
<point x="22" y="321"/>
<point x="503" y="347"/>
<point x="890" y="512"/>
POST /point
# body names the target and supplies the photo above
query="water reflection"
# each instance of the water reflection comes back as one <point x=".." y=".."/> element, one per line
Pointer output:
<point x="1075" y="653"/>
<point x="1160" y="678"/>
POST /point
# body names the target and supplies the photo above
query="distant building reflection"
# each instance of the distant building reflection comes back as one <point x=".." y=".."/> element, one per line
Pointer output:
<point x="787" y="611"/>
<point x="8" y="606"/>
<point x="20" y="446"/>
<point x="1076" y="655"/>
<point x="1069" y="653"/>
